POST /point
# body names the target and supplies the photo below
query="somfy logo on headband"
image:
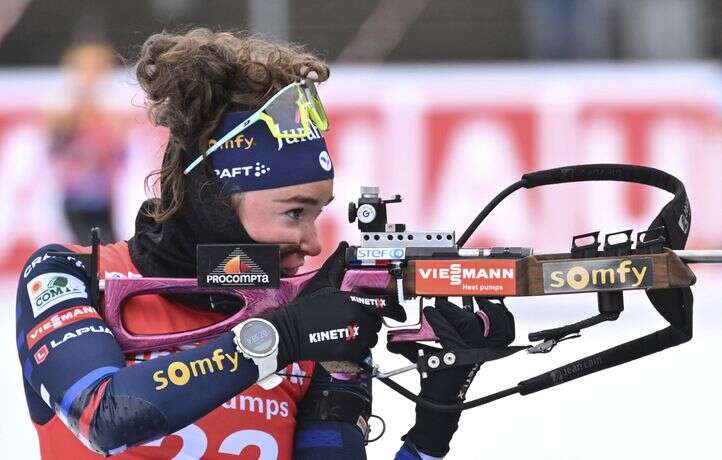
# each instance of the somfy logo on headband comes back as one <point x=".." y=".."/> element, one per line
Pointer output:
<point x="239" y="142"/>
<point x="246" y="265"/>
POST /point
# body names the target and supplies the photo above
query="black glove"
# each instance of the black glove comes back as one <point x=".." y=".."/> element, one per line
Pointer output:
<point x="326" y="324"/>
<point x="456" y="329"/>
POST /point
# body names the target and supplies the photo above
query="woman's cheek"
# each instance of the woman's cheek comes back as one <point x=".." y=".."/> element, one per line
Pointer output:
<point x="281" y="234"/>
<point x="262" y="228"/>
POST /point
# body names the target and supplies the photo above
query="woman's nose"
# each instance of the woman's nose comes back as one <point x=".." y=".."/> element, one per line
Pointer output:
<point x="310" y="244"/>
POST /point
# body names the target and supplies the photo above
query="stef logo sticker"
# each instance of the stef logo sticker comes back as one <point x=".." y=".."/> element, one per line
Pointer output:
<point x="249" y="265"/>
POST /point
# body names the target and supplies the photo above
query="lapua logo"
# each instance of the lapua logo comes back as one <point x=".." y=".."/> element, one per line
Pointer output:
<point x="77" y="333"/>
<point x="41" y="354"/>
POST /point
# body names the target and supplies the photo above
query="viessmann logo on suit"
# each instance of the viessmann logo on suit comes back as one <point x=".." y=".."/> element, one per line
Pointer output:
<point x="250" y="265"/>
<point x="60" y="319"/>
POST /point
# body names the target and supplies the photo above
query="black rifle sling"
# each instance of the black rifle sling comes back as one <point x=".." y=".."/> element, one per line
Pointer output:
<point x="678" y="332"/>
<point x="674" y="305"/>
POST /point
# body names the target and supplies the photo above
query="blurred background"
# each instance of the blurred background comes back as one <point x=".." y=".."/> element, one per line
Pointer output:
<point x="445" y="102"/>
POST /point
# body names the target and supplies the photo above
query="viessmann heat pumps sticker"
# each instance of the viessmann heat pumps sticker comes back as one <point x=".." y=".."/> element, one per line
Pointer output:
<point x="466" y="277"/>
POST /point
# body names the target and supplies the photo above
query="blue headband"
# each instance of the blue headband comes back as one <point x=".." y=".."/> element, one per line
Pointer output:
<point x="255" y="160"/>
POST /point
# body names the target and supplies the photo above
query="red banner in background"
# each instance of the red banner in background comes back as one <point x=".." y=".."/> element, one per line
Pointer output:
<point x="446" y="140"/>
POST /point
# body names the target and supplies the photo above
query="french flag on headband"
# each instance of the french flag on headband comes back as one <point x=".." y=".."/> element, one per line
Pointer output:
<point x="255" y="160"/>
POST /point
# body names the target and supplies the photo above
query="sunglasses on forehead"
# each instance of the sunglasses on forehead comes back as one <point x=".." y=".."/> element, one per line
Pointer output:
<point x="288" y="115"/>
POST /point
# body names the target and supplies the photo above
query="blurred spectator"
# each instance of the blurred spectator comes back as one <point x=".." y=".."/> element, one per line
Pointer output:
<point x="569" y="29"/>
<point x="664" y="29"/>
<point x="85" y="143"/>
<point x="607" y="29"/>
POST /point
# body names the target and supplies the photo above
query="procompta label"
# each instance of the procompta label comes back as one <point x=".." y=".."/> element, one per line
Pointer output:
<point x="246" y="265"/>
<point x="466" y="277"/>
<point x="597" y="275"/>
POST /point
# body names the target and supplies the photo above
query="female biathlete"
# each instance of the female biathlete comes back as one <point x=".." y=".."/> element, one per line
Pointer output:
<point x="264" y="178"/>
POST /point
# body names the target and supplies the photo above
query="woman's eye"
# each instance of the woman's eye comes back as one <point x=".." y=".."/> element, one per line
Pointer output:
<point x="295" y="214"/>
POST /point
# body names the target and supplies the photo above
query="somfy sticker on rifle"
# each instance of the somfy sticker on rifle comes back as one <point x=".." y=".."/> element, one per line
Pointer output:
<point x="466" y="277"/>
<point x="245" y="265"/>
<point x="597" y="275"/>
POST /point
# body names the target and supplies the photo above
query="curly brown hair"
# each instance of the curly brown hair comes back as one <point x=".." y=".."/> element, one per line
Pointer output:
<point x="192" y="79"/>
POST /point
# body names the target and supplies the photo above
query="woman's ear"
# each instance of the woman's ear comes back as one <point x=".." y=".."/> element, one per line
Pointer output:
<point x="237" y="200"/>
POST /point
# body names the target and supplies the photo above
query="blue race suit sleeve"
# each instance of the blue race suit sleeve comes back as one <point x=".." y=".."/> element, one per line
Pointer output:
<point x="71" y="360"/>
<point x="329" y="440"/>
<point x="409" y="452"/>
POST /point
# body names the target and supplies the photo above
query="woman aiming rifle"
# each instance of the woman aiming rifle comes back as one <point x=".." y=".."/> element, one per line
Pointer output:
<point x="264" y="178"/>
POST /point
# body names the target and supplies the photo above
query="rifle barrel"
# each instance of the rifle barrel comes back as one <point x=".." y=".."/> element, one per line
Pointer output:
<point x="700" y="256"/>
<point x="688" y="256"/>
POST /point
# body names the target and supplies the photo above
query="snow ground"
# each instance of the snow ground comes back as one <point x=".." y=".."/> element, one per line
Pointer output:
<point x="666" y="406"/>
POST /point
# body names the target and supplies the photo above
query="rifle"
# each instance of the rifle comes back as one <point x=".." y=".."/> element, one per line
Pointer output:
<point x="435" y="264"/>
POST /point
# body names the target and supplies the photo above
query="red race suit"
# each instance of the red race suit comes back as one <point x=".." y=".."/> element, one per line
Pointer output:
<point x="84" y="393"/>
